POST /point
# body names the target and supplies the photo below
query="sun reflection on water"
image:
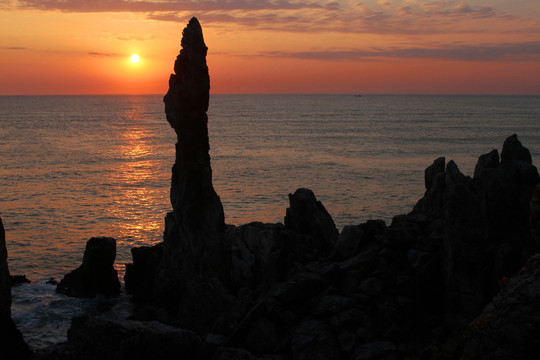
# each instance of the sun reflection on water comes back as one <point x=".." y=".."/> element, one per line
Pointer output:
<point x="138" y="197"/>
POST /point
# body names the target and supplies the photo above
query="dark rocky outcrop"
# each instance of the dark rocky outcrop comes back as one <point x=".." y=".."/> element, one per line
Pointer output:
<point x="301" y="290"/>
<point x="97" y="274"/>
<point x="19" y="279"/>
<point x="486" y="232"/>
<point x="509" y="325"/>
<point x="12" y="345"/>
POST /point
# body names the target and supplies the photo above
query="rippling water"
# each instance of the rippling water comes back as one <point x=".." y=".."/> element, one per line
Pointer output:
<point x="73" y="167"/>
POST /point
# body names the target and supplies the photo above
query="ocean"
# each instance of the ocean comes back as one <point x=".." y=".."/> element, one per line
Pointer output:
<point x="73" y="167"/>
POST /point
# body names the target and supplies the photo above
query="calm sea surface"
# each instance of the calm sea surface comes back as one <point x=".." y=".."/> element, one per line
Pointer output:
<point x="73" y="167"/>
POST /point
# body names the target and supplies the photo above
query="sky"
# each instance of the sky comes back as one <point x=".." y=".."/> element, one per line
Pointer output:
<point x="273" y="46"/>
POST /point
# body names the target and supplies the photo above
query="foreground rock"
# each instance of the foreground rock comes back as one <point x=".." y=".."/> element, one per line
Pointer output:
<point x="509" y="326"/>
<point x="12" y="345"/>
<point x="96" y="275"/>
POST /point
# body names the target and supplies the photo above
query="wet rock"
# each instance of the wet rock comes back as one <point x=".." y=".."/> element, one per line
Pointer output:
<point x="19" y="279"/>
<point x="96" y="275"/>
<point x="12" y="344"/>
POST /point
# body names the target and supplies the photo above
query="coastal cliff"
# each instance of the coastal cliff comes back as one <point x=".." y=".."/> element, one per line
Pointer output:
<point x="302" y="289"/>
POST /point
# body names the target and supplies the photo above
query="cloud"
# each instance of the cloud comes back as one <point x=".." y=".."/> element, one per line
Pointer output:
<point x="13" y="48"/>
<point x="374" y="17"/>
<point x="170" y="5"/>
<point x="134" y="38"/>
<point x="499" y="52"/>
<point x="105" y="54"/>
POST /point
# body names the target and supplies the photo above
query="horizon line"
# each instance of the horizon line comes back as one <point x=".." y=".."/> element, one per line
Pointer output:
<point x="291" y="93"/>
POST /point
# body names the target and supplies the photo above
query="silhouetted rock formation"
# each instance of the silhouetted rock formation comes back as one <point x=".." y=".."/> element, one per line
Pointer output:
<point x="12" y="345"/>
<point x="96" y="275"/>
<point x="486" y="233"/>
<point x="189" y="279"/>
<point x="300" y="290"/>
<point x="303" y="291"/>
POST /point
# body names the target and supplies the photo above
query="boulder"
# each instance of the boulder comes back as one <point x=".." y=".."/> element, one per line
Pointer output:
<point x="97" y="274"/>
<point x="307" y="215"/>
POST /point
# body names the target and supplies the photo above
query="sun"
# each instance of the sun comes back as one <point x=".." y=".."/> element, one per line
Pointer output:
<point x="135" y="58"/>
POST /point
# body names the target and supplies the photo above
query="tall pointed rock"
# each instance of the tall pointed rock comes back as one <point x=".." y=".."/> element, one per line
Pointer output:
<point x="193" y="240"/>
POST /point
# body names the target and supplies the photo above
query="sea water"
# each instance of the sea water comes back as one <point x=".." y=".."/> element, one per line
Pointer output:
<point x="73" y="167"/>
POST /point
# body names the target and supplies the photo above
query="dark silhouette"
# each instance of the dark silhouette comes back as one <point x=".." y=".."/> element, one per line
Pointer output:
<point x="301" y="290"/>
<point x="12" y="345"/>
<point x="96" y="275"/>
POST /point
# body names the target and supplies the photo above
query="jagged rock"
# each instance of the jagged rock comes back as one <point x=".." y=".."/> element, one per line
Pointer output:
<point x="97" y="274"/>
<point x="12" y="344"/>
<point x="253" y="256"/>
<point x="306" y="215"/>
<point x="486" y="162"/>
<point x="194" y="242"/>
<point x="139" y="278"/>
<point x="513" y="151"/>
<point x="509" y="325"/>
<point x="485" y="235"/>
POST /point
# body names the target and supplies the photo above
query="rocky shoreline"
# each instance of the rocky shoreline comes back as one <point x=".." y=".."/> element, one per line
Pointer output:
<point x="456" y="278"/>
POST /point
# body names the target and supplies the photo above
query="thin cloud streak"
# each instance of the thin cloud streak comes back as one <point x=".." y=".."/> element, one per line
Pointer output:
<point x="502" y="52"/>
<point x="104" y="54"/>
<point x="13" y="48"/>
<point x="157" y="6"/>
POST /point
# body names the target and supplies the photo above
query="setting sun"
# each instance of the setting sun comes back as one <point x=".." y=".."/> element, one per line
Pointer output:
<point x="135" y="58"/>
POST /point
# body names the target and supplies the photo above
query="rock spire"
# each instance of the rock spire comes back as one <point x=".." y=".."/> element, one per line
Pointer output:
<point x="193" y="239"/>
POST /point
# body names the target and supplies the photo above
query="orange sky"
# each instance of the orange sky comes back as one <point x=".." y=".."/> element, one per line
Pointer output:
<point x="273" y="46"/>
